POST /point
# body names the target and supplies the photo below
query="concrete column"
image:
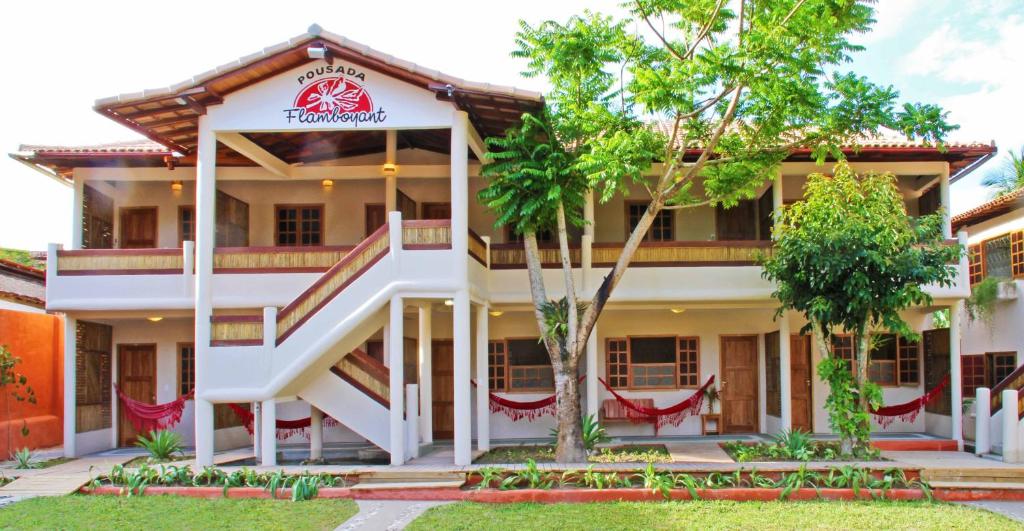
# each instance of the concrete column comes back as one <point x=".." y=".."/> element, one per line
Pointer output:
<point x="955" y="373"/>
<point x="316" y="433"/>
<point x="483" y="410"/>
<point x="268" y="433"/>
<point x="461" y="375"/>
<point x="983" y="421"/>
<point x="396" y="384"/>
<point x="425" y="354"/>
<point x="593" y="403"/>
<point x="77" y="208"/>
<point x="947" y="227"/>
<point x="785" y="376"/>
<point x="391" y="179"/>
<point x="1011" y="435"/>
<point x="257" y="425"/>
<point x="70" y="357"/>
<point x="412" y="432"/>
<point x="206" y="199"/>
<point x="460" y="202"/>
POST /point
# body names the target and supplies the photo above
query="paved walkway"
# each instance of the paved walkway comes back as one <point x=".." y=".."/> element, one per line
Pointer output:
<point x="61" y="479"/>
<point x="389" y="515"/>
<point x="1009" y="509"/>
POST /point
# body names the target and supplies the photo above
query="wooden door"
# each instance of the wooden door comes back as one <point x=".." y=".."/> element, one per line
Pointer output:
<point x="136" y="377"/>
<point x="443" y="385"/>
<point x="800" y="376"/>
<point x="138" y="228"/>
<point x="97" y="220"/>
<point x="738" y="222"/>
<point x="437" y="211"/>
<point x="232" y="221"/>
<point x="738" y="360"/>
<point x="376" y="217"/>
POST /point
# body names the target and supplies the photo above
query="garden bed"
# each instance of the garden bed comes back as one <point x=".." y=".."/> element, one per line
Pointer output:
<point x="633" y="453"/>
<point x="811" y="450"/>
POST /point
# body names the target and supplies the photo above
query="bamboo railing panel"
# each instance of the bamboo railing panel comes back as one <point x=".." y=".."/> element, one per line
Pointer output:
<point x="332" y="282"/>
<point x="477" y="248"/>
<point x="120" y="262"/>
<point x="699" y="253"/>
<point x="366" y="374"/>
<point x="236" y="330"/>
<point x="513" y="256"/>
<point x="427" y="234"/>
<point x="277" y="259"/>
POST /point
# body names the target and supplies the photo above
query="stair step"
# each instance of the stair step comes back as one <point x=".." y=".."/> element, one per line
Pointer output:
<point x="410" y="476"/>
<point x="1006" y="485"/>
<point x="990" y="474"/>
<point x="377" y="485"/>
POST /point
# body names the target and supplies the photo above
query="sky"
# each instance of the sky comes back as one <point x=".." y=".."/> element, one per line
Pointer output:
<point x="59" y="57"/>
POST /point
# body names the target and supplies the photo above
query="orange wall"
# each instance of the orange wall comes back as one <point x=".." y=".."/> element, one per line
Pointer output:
<point x="36" y="339"/>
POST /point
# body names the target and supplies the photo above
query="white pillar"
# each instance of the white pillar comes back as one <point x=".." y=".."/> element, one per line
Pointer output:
<point x="70" y="357"/>
<point x="425" y="354"/>
<point x="785" y="374"/>
<point x="1011" y="435"/>
<point x="77" y="209"/>
<point x="947" y="227"/>
<point x="396" y="384"/>
<point x="483" y="410"/>
<point x="206" y="198"/>
<point x="983" y="421"/>
<point x="461" y="375"/>
<point x="390" y="179"/>
<point x="593" y="403"/>
<point x="316" y="433"/>
<point x="460" y="201"/>
<point x="955" y="375"/>
<point x="257" y="424"/>
<point x="268" y="433"/>
<point x="412" y="432"/>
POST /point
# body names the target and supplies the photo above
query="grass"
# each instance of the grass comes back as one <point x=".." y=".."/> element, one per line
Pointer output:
<point x="654" y="453"/>
<point x="711" y="515"/>
<point x="173" y="512"/>
<point x="21" y="257"/>
<point x="55" y="461"/>
<point x="147" y="460"/>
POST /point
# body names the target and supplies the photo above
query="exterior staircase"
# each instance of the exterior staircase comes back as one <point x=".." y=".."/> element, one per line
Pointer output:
<point x="1009" y="478"/>
<point x="354" y="392"/>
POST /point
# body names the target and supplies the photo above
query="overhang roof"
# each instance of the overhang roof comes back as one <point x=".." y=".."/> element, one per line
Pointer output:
<point x="994" y="208"/>
<point x="22" y="284"/>
<point x="170" y="115"/>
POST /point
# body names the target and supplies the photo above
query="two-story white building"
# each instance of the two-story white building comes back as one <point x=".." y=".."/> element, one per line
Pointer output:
<point x="300" y="236"/>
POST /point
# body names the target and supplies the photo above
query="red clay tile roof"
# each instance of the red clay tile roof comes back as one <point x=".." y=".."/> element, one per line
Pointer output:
<point x="987" y="211"/>
<point x="22" y="284"/>
<point x="125" y="147"/>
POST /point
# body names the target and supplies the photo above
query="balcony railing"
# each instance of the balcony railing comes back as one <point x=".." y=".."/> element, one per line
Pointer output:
<point x="513" y="256"/>
<point x="236" y="330"/>
<point x="477" y="248"/>
<point x="427" y="234"/>
<point x="685" y="253"/>
<point x="277" y="259"/>
<point x="121" y="262"/>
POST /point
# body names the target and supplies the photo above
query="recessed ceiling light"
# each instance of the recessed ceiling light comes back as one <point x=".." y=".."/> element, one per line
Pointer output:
<point x="154" y="319"/>
<point x="496" y="313"/>
<point x="678" y="310"/>
<point x="449" y="302"/>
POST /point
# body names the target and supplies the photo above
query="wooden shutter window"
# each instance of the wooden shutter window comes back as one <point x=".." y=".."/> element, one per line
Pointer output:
<point x="688" y="356"/>
<point x="842" y="348"/>
<point x="299" y="225"/>
<point x="975" y="264"/>
<point x="973" y="373"/>
<point x="909" y="362"/>
<point x="617" y="362"/>
<point x="186" y="368"/>
<point x="186" y="224"/>
<point x="529" y="366"/>
<point x="773" y="376"/>
<point x="496" y="366"/>
<point x="1017" y="253"/>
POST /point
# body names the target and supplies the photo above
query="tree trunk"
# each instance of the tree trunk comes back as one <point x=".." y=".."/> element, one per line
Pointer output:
<point x="861" y="376"/>
<point x="570" y="448"/>
<point x="845" y="442"/>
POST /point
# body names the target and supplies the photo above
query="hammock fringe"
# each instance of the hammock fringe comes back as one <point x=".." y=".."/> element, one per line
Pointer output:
<point x="285" y="428"/>
<point x="660" y="417"/>
<point x="908" y="411"/>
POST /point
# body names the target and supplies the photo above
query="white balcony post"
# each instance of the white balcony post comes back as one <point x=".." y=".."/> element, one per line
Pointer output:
<point x="268" y="433"/>
<point x="425" y="354"/>
<point x="483" y="410"/>
<point x="1011" y="435"/>
<point x="188" y="260"/>
<point x="592" y="373"/>
<point x="955" y="373"/>
<point x="964" y="281"/>
<point x="396" y="383"/>
<point x="412" y="432"/>
<point x="316" y="433"/>
<point x="983" y="421"/>
<point x="785" y="374"/>
<point x="77" y="209"/>
<point x="257" y="423"/>
<point x="461" y="374"/>
<point x="947" y="227"/>
<point x="269" y="329"/>
<point x="70" y="355"/>
<point x="390" y="179"/>
<point x="206" y="198"/>
<point x="460" y="200"/>
<point x="395" y="234"/>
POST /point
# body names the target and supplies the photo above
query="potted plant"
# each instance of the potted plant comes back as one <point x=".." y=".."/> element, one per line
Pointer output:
<point x="711" y="395"/>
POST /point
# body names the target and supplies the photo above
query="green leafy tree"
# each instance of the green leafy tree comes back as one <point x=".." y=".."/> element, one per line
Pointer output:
<point x="850" y="258"/>
<point x="1009" y="178"/>
<point x="697" y="102"/>
<point x="13" y="384"/>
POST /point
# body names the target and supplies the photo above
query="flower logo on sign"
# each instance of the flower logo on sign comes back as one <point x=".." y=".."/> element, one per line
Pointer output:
<point x="326" y="95"/>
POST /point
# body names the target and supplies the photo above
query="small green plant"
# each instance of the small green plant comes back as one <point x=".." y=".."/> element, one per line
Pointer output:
<point x="593" y="433"/>
<point x="305" y="487"/>
<point x="533" y="478"/>
<point x="795" y="444"/>
<point x="981" y="304"/>
<point x="161" y="445"/>
<point x="657" y="482"/>
<point x="13" y="384"/>
<point x="24" y="459"/>
<point x="690" y="483"/>
<point x="488" y="475"/>
<point x="711" y="395"/>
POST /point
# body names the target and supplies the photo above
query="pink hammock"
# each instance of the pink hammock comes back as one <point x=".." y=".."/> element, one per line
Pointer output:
<point x="908" y="411"/>
<point x="521" y="410"/>
<point x="148" y="417"/>
<point x="660" y="417"/>
<point x="285" y="428"/>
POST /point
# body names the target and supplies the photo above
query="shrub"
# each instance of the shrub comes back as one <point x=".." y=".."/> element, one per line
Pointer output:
<point x="161" y="445"/>
<point x="24" y="459"/>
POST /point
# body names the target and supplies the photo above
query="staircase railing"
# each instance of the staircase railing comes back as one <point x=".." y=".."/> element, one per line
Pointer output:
<point x="358" y="260"/>
<point x="367" y="374"/>
<point x="1015" y="381"/>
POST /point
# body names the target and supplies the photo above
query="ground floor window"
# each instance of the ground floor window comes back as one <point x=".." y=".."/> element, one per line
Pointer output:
<point x="894" y="359"/>
<point x="667" y="362"/>
<point x="520" y="365"/>
<point x="985" y="370"/>
<point x="93" y="376"/>
<point x="186" y="368"/>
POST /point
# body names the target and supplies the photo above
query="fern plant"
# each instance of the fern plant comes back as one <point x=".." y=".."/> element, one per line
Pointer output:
<point x="24" y="459"/>
<point x="161" y="445"/>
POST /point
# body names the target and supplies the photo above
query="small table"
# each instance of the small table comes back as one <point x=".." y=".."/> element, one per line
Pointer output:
<point x="715" y="422"/>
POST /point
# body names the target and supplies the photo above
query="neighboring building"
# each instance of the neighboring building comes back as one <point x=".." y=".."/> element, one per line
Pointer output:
<point x="332" y="206"/>
<point x="992" y="348"/>
<point x="34" y="337"/>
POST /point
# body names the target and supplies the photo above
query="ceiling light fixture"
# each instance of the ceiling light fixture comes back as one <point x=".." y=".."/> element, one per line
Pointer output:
<point x="327" y="183"/>
<point x="677" y="310"/>
<point x="319" y="51"/>
<point x="390" y="169"/>
<point x="176" y="186"/>
<point x="496" y="313"/>
<point x="449" y="302"/>
<point x="155" y="319"/>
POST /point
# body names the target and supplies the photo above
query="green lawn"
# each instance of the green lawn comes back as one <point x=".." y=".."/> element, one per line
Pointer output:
<point x="630" y="453"/>
<point x="173" y="512"/>
<point x="711" y="515"/>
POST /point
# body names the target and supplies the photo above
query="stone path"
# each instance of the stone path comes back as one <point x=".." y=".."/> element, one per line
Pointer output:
<point x="697" y="453"/>
<point x="389" y="515"/>
<point x="61" y="479"/>
<point x="1009" y="509"/>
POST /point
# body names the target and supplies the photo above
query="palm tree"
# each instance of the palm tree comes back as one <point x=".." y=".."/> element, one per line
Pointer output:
<point x="1009" y="178"/>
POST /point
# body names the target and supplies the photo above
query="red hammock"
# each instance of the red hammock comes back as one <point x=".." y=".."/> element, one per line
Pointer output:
<point x="908" y="411"/>
<point x="147" y="417"/>
<point x="521" y="410"/>
<point x="285" y="428"/>
<point x="673" y="415"/>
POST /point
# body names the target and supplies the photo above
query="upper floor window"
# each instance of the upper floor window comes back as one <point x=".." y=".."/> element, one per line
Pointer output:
<point x="652" y="362"/>
<point x="544" y="236"/>
<point x="186" y="224"/>
<point x="999" y="257"/>
<point x="662" y="228"/>
<point x="299" y="225"/>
